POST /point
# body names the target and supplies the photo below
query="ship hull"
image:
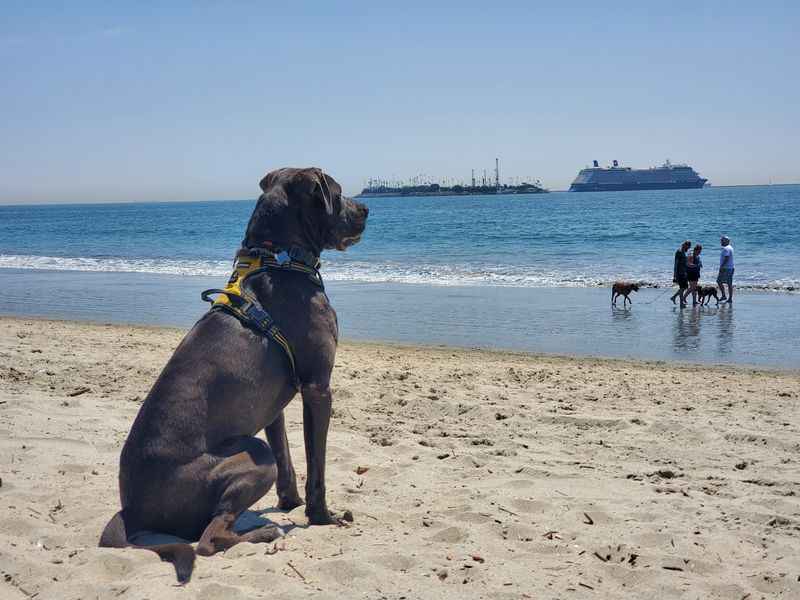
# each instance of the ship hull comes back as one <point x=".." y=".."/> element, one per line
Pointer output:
<point x="630" y="187"/>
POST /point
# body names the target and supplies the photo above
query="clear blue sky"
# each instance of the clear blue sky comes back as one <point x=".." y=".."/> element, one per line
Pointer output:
<point x="121" y="101"/>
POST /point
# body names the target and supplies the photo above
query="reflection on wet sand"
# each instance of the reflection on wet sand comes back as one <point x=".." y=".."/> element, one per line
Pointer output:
<point x="621" y="314"/>
<point x="686" y="330"/>
<point x="725" y="328"/>
<point x="689" y="322"/>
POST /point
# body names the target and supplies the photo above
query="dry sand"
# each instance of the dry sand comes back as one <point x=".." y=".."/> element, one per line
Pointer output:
<point x="485" y="474"/>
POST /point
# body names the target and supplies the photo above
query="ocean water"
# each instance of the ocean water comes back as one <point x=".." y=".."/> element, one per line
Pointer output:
<point x="515" y="272"/>
<point x="552" y="240"/>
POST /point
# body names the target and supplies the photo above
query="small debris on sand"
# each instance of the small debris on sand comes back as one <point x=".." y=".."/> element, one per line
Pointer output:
<point x="78" y="392"/>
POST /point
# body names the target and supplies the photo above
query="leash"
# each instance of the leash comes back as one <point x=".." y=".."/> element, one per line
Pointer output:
<point x="661" y="295"/>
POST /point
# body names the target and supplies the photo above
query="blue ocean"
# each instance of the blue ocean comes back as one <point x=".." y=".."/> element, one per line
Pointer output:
<point x="549" y="240"/>
<point x="465" y="269"/>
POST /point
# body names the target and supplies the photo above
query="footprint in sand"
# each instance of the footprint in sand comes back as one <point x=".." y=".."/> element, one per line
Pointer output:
<point x="531" y="506"/>
<point x="618" y="555"/>
<point x="216" y="591"/>
<point x="112" y="566"/>
<point x="450" y="535"/>
<point x="467" y="516"/>
<point x="395" y="562"/>
<point x="521" y="534"/>
<point x="342" y="572"/>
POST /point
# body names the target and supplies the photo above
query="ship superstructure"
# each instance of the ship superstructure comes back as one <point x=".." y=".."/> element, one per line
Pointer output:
<point x="616" y="178"/>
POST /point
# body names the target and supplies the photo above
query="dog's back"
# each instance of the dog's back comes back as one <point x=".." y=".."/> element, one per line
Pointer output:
<point x="706" y="292"/>
<point x="622" y="288"/>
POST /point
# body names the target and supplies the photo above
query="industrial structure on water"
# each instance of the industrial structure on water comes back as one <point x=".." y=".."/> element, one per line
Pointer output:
<point x="619" y="179"/>
<point x="423" y="185"/>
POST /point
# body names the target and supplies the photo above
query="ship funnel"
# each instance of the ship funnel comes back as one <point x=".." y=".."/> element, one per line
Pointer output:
<point x="616" y="164"/>
<point x="595" y="164"/>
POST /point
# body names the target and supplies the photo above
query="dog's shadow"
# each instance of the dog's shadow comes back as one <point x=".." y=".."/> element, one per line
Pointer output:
<point x="247" y="521"/>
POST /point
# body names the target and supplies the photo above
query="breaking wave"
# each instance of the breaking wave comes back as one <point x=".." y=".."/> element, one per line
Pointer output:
<point x="378" y="272"/>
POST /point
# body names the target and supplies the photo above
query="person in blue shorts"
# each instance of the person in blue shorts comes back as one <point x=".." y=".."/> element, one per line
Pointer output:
<point x="725" y="277"/>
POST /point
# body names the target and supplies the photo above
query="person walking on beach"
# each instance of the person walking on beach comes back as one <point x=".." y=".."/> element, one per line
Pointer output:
<point x="725" y="276"/>
<point x="693" y="272"/>
<point x="679" y="273"/>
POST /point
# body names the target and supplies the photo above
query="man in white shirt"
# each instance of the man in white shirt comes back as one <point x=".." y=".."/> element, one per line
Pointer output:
<point x="725" y="276"/>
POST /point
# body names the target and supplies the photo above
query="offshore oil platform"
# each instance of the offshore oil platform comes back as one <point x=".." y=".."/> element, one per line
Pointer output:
<point x="424" y="185"/>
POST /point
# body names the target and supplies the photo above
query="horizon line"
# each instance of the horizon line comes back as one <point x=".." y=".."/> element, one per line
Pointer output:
<point x="178" y="201"/>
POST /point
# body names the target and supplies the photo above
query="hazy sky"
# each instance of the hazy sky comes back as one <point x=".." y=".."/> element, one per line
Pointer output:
<point x="119" y="101"/>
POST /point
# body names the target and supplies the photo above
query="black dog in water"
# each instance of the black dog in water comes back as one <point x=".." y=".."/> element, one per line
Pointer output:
<point x="192" y="464"/>
<point x="705" y="293"/>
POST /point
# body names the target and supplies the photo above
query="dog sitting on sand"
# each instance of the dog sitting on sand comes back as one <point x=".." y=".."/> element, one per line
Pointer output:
<point x="705" y="293"/>
<point x="622" y="288"/>
<point x="192" y="462"/>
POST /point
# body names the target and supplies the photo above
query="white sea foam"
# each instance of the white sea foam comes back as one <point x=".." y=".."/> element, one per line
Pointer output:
<point x="372" y="272"/>
<point x="116" y="265"/>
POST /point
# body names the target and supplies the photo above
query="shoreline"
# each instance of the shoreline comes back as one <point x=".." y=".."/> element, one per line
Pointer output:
<point x="754" y="331"/>
<point x="470" y="474"/>
<point x="492" y="351"/>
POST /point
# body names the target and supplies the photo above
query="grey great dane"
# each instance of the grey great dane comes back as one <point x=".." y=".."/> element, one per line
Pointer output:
<point x="191" y="463"/>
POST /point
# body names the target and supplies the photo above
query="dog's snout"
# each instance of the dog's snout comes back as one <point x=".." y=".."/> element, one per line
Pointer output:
<point x="366" y="210"/>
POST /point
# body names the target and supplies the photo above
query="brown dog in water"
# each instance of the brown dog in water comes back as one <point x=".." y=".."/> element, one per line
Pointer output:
<point x="192" y="462"/>
<point x="705" y="293"/>
<point x="622" y="288"/>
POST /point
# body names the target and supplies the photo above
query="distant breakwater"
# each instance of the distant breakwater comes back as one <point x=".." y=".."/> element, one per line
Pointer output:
<point x="403" y="194"/>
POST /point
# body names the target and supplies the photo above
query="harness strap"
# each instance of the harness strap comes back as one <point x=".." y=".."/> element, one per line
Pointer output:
<point x="238" y="301"/>
<point x="249" y="312"/>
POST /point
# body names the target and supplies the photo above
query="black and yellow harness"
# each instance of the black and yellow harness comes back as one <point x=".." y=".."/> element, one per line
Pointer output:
<point x="237" y="300"/>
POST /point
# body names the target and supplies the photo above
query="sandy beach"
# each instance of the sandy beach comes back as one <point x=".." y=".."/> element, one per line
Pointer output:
<point x="470" y="474"/>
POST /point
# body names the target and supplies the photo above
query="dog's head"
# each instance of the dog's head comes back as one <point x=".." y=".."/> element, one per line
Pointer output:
<point x="634" y="287"/>
<point x="305" y="208"/>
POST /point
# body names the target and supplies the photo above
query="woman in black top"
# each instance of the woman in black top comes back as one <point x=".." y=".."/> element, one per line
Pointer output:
<point x="680" y="275"/>
<point x="694" y="264"/>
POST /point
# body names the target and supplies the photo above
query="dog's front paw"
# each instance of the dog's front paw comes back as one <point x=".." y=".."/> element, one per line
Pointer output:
<point x="326" y="517"/>
<point x="289" y="502"/>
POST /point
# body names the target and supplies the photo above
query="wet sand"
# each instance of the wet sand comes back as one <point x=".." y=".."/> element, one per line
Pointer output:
<point x="470" y="473"/>
<point x="761" y="328"/>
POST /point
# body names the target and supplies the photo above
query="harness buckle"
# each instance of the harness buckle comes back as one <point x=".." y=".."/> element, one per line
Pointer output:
<point x="258" y="315"/>
<point x="283" y="257"/>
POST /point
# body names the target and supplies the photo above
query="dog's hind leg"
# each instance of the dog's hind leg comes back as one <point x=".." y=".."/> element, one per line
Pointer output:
<point x="288" y="496"/>
<point x="243" y="474"/>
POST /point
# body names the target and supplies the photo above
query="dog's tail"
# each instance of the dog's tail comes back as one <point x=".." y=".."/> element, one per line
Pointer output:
<point x="181" y="555"/>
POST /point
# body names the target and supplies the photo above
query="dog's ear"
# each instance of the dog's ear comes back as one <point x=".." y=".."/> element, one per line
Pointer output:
<point x="320" y="187"/>
<point x="323" y="192"/>
<point x="269" y="179"/>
